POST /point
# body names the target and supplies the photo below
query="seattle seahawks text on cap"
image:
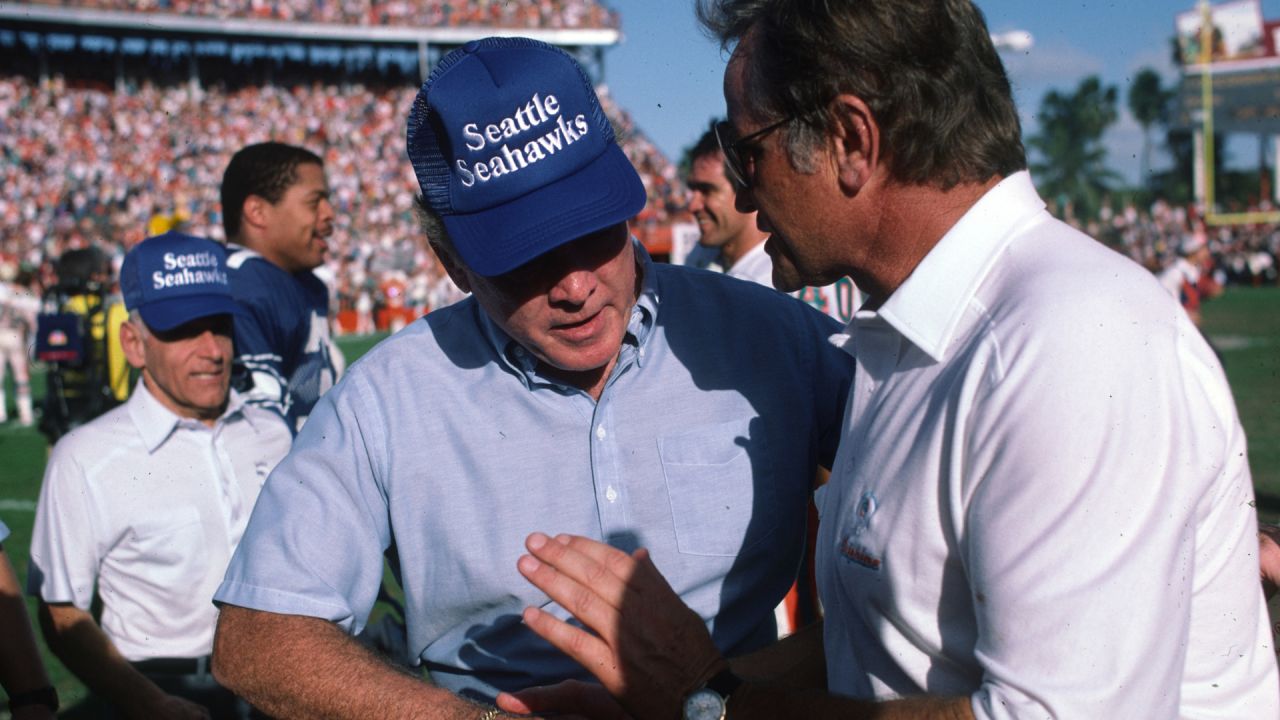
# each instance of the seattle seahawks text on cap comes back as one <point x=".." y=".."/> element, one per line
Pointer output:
<point x="513" y="151"/>
<point x="172" y="279"/>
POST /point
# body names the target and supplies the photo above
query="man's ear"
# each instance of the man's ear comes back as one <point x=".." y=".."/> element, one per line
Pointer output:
<point x="254" y="211"/>
<point x="855" y="138"/>
<point x="131" y="342"/>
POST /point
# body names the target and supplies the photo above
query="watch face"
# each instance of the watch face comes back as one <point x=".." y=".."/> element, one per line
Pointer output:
<point x="704" y="704"/>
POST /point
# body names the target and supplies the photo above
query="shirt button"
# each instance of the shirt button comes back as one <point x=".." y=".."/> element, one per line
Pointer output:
<point x="600" y="433"/>
<point x="611" y="495"/>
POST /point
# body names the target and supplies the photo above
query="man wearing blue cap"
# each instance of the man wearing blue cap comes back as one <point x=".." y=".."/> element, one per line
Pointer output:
<point x="148" y="501"/>
<point x="581" y="384"/>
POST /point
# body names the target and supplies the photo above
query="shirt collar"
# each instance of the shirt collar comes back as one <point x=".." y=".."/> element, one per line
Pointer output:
<point x="155" y="422"/>
<point x="927" y="308"/>
<point x="644" y="315"/>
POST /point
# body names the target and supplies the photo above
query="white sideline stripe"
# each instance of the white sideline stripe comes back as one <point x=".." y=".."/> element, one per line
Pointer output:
<point x="1239" y="342"/>
<point x="22" y="505"/>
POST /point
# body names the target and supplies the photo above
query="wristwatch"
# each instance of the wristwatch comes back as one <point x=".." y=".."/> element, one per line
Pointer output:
<point x="710" y="702"/>
<point x="46" y="696"/>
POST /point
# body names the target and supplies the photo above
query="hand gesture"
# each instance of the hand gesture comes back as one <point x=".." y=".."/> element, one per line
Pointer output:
<point x="649" y="649"/>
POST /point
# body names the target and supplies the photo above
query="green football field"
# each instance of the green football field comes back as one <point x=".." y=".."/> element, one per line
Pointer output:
<point x="1244" y="324"/>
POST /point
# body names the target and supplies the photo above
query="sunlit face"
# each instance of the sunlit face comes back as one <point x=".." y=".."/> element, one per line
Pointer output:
<point x="791" y="206"/>
<point x="187" y="369"/>
<point x="569" y="307"/>
<point x="299" y="225"/>
<point x="711" y="200"/>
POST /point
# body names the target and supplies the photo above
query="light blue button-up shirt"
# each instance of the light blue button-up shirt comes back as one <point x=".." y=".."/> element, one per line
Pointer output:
<point x="445" y="446"/>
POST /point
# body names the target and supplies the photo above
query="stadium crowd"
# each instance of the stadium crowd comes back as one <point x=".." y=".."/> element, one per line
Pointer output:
<point x="542" y="14"/>
<point x="93" y="165"/>
<point x="1152" y="237"/>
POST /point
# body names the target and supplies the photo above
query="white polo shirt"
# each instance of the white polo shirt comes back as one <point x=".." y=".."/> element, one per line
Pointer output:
<point x="150" y="506"/>
<point x="1041" y="498"/>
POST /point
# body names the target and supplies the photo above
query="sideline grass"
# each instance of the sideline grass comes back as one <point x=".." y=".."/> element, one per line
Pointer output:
<point x="1244" y="324"/>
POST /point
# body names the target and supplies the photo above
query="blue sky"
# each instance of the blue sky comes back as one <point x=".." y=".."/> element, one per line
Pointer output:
<point x="667" y="75"/>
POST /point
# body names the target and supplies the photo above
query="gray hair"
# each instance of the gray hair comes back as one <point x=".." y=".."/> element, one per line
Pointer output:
<point x="927" y="69"/>
<point x="432" y="226"/>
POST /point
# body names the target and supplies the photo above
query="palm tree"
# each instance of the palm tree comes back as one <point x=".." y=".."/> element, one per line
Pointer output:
<point x="1149" y="103"/>
<point x="1072" y="165"/>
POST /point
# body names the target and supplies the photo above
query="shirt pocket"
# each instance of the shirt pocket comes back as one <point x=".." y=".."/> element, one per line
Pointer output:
<point x="720" y="485"/>
<point x="169" y="548"/>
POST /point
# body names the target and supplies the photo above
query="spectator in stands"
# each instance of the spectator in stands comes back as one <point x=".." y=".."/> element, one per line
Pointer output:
<point x="1041" y="505"/>
<point x="632" y="400"/>
<point x="147" y="502"/>
<point x="433" y="13"/>
<point x="278" y="218"/>
<point x="22" y="673"/>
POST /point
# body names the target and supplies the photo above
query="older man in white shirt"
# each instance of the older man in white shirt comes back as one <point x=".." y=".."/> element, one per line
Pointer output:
<point x="147" y="503"/>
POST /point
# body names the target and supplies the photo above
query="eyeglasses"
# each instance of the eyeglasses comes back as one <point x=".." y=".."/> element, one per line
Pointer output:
<point x="741" y="165"/>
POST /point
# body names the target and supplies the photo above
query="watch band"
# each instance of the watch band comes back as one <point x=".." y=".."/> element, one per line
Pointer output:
<point x="46" y="696"/>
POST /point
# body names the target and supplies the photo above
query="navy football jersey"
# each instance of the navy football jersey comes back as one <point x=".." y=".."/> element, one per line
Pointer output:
<point x="285" y="358"/>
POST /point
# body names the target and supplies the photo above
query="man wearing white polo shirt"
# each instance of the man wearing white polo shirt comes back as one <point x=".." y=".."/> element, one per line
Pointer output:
<point x="148" y="501"/>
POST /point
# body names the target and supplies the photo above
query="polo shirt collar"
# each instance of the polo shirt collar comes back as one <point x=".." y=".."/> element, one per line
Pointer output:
<point x="639" y="327"/>
<point x="155" y="422"/>
<point x="928" y="307"/>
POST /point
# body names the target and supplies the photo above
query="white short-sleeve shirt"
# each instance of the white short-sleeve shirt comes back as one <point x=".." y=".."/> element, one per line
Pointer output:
<point x="148" y="507"/>
<point x="1041" y="498"/>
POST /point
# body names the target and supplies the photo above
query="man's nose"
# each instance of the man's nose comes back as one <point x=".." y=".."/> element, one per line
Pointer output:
<point x="574" y="287"/>
<point x="210" y="345"/>
<point x="327" y="213"/>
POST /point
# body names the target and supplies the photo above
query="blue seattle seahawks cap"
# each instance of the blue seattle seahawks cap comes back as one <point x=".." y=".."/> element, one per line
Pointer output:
<point x="513" y="151"/>
<point x="172" y="279"/>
